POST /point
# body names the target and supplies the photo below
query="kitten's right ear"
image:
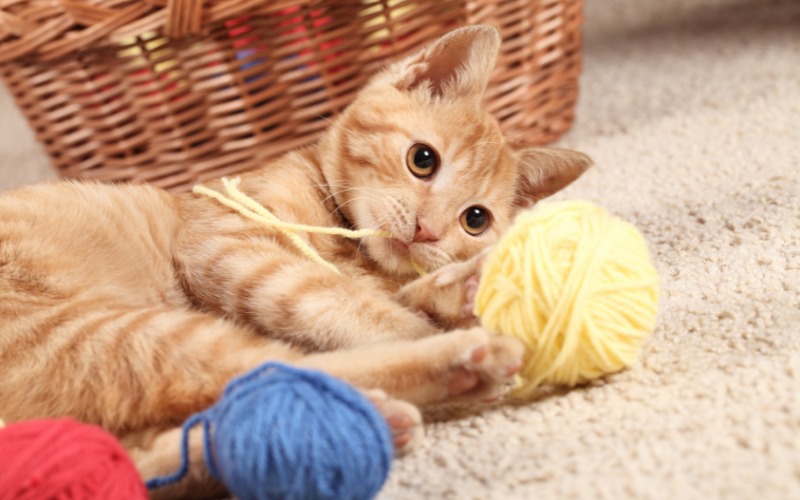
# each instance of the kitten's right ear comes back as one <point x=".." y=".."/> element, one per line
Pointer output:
<point x="544" y="171"/>
<point x="457" y="65"/>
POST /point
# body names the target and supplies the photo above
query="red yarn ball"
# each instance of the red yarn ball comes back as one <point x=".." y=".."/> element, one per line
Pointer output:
<point x="63" y="459"/>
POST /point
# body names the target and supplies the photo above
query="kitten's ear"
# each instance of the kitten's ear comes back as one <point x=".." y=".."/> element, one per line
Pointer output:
<point x="457" y="65"/>
<point x="544" y="171"/>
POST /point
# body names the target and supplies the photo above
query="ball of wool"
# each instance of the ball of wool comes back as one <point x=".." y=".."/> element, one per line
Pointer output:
<point x="65" y="459"/>
<point x="280" y="432"/>
<point x="577" y="286"/>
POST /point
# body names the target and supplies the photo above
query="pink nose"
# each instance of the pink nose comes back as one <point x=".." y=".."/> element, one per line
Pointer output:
<point x="423" y="233"/>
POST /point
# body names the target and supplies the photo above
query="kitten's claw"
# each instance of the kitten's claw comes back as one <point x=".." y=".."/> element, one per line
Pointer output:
<point x="404" y="419"/>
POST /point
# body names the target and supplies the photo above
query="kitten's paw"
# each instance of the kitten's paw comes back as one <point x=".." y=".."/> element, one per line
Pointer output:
<point x="460" y="272"/>
<point x="404" y="419"/>
<point x="486" y="368"/>
<point x="458" y="282"/>
<point x="471" y="291"/>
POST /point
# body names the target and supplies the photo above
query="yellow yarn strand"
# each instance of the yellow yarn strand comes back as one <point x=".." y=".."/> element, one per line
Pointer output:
<point x="251" y="209"/>
<point x="418" y="267"/>
<point x="232" y="189"/>
<point x="576" y="285"/>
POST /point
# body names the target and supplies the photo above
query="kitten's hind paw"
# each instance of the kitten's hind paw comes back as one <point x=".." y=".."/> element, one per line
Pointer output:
<point x="404" y="419"/>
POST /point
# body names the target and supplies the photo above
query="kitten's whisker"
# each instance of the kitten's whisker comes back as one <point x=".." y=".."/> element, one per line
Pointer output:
<point x="376" y="225"/>
<point x="335" y="193"/>
<point x="402" y="211"/>
<point x="524" y="200"/>
<point x="351" y="200"/>
<point x="340" y="184"/>
<point x="494" y="143"/>
<point x="436" y="257"/>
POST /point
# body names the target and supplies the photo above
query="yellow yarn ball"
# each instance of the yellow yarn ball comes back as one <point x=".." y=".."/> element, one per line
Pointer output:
<point x="577" y="286"/>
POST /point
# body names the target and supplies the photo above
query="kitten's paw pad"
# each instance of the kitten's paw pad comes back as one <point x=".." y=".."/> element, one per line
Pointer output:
<point x="488" y="368"/>
<point x="461" y="380"/>
<point x="470" y="292"/>
<point x="404" y="419"/>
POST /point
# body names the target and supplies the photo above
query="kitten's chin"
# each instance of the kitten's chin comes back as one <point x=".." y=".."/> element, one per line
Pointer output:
<point x="391" y="255"/>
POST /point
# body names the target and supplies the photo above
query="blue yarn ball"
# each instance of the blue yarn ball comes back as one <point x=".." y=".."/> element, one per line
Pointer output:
<point x="284" y="433"/>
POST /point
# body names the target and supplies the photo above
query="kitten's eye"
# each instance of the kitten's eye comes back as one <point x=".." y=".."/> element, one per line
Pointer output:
<point x="475" y="220"/>
<point x="422" y="160"/>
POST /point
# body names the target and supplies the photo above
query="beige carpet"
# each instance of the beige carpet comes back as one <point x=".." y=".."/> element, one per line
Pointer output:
<point x="691" y="110"/>
<point x="22" y="159"/>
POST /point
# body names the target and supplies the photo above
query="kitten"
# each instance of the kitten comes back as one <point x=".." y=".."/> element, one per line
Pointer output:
<point x="131" y="308"/>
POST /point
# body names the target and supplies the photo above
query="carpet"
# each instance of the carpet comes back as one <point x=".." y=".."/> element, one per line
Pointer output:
<point x="691" y="111"/>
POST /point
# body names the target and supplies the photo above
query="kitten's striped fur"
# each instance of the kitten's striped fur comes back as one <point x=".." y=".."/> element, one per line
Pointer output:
<point x="131" y="308"/>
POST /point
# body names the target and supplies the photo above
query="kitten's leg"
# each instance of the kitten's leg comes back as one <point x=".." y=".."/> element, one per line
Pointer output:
<point x="158" y="453"/>
<point x="295" y="299"/>
<point x="463" y="364"/>
<point x="446" y="295"/>
<point x="127" y="368"/>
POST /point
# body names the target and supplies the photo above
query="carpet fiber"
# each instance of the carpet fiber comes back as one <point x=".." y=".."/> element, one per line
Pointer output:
<point x="691" y="110"/>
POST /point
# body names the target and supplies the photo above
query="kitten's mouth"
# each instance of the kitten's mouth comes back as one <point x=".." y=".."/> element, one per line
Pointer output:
<point x="404" y="259"/>
<point x="399" y="247"/>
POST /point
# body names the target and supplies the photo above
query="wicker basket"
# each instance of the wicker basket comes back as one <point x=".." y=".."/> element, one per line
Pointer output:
<point x="175" y="91"/>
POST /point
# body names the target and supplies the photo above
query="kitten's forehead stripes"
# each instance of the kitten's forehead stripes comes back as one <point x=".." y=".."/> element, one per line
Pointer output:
<point x="358" y="123"/>
<point x="469" y="140"/>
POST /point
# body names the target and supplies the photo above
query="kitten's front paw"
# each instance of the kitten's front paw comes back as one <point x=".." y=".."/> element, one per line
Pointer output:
<point x="447" y="295"/>
<point x="464" y="276"/>
<point x="404" y="419"/>
<point x="471" y="291"/>
<point x="487" y="367"/>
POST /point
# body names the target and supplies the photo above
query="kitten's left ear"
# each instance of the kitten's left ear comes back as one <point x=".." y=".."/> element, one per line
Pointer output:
<point x="457" y="65"/>
<point x="544" y="171"/>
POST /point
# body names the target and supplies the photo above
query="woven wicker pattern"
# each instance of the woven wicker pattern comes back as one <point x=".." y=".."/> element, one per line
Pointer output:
<point x="175" y="91"/>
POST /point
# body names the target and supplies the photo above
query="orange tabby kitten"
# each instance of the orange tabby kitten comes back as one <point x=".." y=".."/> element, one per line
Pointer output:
<point x="131" y="308"/>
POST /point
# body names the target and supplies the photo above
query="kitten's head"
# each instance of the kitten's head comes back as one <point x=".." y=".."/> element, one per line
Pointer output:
<point x="416" y="155"/>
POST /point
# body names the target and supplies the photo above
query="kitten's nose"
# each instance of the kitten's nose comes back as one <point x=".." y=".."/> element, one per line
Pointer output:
<point x="423" y="233"/>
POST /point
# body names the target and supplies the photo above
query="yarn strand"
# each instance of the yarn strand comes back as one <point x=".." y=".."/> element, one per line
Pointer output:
<point x="251" y="209"/>
<point x="183" y="469"/>
<point x="246" y="206"/>
<point x="232" y="189"/>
